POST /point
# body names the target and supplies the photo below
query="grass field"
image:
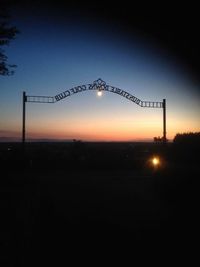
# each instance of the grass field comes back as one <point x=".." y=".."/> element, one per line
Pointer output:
<point x="52" y="215"/>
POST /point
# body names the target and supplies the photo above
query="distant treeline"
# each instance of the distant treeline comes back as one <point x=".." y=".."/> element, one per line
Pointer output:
<point x="186" y="147"/>
<point x="187" y="138"/>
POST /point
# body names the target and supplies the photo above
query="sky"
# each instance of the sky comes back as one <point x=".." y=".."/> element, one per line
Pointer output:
<point x="60" y="47"/>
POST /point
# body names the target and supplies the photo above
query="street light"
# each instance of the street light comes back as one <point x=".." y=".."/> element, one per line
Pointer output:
<point x="155" y="161"/>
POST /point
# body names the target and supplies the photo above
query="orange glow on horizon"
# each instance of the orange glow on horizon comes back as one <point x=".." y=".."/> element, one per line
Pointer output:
<point x="118" y="135"/>
<point x="98" y="127"/>
<point x="95" y="132"/>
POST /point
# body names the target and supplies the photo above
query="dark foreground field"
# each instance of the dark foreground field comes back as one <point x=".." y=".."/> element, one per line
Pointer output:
<point x="99" y="214"/>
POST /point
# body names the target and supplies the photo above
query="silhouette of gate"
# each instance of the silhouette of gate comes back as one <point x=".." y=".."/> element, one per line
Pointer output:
<point x="99" y="85"/>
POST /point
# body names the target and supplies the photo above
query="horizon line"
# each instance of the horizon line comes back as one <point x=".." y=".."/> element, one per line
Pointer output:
<point x="4" y="139"/>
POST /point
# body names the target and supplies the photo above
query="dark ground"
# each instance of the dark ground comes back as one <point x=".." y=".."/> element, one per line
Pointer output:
<point x="94" y="213"/>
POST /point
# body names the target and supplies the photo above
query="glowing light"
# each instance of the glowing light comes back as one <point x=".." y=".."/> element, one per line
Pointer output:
<point x="99" y="93"/>
<point x="155" y="161"/>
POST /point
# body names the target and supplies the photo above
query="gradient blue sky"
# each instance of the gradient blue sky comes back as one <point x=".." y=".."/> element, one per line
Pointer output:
<point x="55" y="53"/>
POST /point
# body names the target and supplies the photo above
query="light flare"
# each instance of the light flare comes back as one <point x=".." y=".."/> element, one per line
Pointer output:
<point x="99" y="93"/>
<point x="155" y="161"/>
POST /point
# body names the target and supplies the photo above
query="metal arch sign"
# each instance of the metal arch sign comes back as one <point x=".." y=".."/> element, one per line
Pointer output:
<point x="99" y="85"/>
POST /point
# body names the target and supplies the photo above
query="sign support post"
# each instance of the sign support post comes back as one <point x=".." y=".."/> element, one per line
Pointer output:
<point x="24" y="99"/>
<point x="164" y="122"/>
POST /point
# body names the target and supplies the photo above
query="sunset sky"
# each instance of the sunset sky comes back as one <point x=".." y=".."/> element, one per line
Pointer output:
<point x="57" y="50"/>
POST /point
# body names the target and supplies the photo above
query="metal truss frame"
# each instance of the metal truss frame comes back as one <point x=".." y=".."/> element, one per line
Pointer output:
<point x="99" y="85"/>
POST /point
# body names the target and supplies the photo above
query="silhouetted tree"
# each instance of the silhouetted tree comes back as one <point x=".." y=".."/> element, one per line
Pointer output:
<point x="7" y="33"/>
<point x="187" y="139"/>
<point x="186" y="147"/>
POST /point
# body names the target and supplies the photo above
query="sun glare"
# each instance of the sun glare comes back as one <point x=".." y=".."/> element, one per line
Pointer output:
<point x="99" y="93"/>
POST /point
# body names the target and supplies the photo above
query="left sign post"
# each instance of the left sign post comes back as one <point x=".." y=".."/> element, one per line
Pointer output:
<point x="24" y="99"/>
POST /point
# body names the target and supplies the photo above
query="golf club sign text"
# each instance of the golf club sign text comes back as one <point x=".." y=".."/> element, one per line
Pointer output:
<point x="98" y="85"/>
